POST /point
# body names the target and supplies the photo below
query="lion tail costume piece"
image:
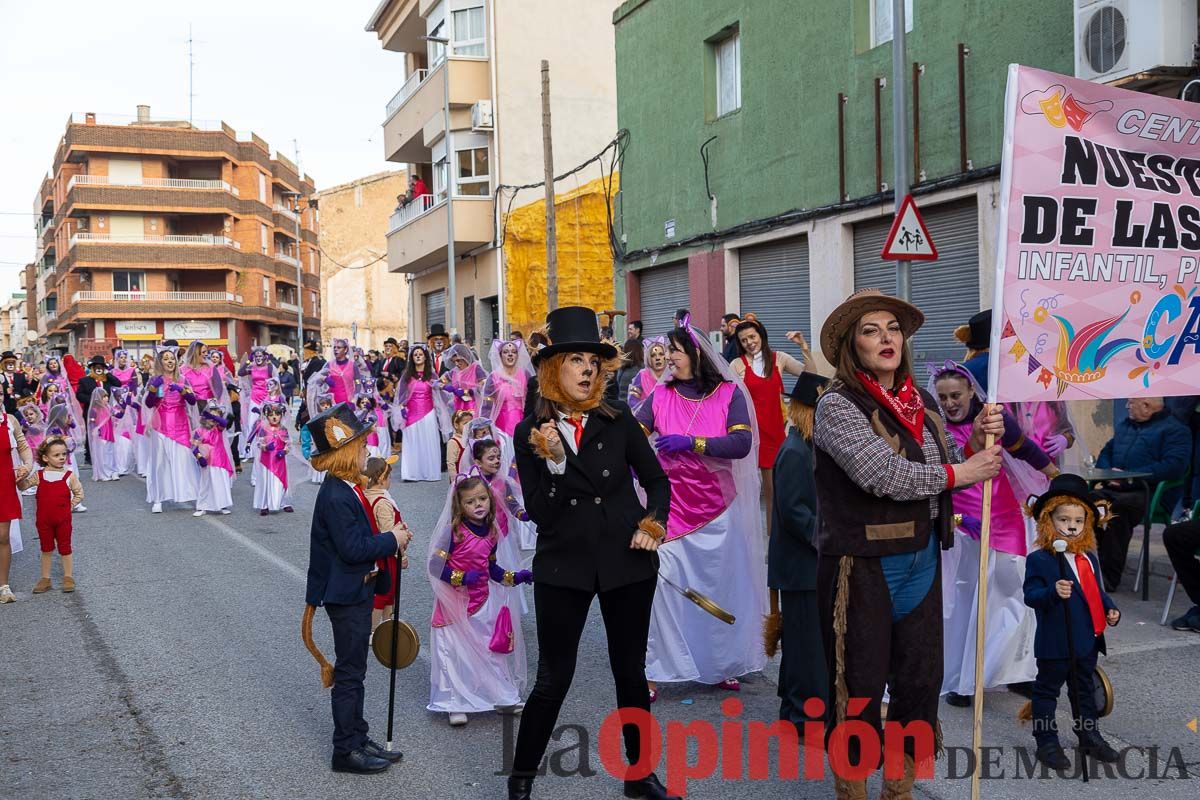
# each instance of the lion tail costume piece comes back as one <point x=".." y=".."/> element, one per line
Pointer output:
<point x="306" y="635"/>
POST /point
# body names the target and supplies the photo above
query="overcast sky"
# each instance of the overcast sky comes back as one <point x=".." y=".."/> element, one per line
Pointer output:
<point x="302" y="70"/>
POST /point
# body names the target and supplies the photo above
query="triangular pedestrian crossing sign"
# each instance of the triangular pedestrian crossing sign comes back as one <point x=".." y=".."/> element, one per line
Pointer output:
<point x="909" y="239"/>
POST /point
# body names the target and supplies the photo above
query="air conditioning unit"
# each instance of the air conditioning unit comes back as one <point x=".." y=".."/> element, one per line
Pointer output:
<point x="481" y="116"/>
<point x="1118" y="38"/>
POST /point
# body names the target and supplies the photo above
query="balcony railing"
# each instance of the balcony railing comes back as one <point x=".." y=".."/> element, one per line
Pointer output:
<point x="287" y="212"/>
<point x="406" y="91"/>
<point x="152" y="183"/>
<point x="155" y="297"/>
<point x="285" y="258"/>
<point x="110" y="238"/>
<point x="292" y="307"/>
<point x="418" y="206"/>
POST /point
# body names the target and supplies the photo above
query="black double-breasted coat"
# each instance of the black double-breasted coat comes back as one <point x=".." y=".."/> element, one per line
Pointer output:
<point x="587" y="516"/>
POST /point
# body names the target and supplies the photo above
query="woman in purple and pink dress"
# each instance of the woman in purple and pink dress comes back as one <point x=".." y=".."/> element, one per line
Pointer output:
<point x="507" y="386"/>
<point x="421" y="407"/>
<point x="656" y="369"/>
<point x="704" y="431"/>
<point x="465" y="379"/>
<point x="172" y="474"/>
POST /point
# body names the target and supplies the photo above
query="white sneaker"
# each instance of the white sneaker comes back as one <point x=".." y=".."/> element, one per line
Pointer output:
<point x="7" y="596"/>
<point x="458" y="719"/>
<point x="79" y="509"/>
<point x="199" y="513"/>
<point x="226" y="511"/>
<point x="156" y="508"/>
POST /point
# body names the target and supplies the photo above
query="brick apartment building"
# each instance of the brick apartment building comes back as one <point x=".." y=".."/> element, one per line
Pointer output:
<point x="152" y="229"/>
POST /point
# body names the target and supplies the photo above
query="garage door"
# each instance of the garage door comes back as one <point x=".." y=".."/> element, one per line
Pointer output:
<point x="664" y="290"/>
<point x="774" y="285"/>
<point x="435" y="308"/>
<point x="947" y="290"/>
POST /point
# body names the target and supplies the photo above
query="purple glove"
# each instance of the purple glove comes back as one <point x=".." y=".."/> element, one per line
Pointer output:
<point x="202" y="461"/>
<point x="270" y="446"/>
<point x="156" y="381"/>
<point x="523" y="515"/>
<point x="330" y="380"/>
<point x="523" y="576"/>
<point x="474" y="577"/>
<point x="281" y="455"/>
<point x="673" y="443"/>
<point x="404" y="414"/>
<point x="971" y="526"/>
<point x="1055" y="445"/>
<point x="448" y="389"/>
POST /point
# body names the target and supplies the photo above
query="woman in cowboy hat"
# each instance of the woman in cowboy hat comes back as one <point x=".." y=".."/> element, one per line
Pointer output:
<point x="884" y="468"/>
<point x="577" y="457"/>
<point x="343" y="549"/>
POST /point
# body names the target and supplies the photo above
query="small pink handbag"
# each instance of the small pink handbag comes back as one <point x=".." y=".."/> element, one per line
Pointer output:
<point x="502" y="636"/>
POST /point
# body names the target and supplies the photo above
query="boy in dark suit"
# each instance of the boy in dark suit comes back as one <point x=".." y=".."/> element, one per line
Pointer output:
<point x="344" y="546"/>
<point x="1065" y="591"/>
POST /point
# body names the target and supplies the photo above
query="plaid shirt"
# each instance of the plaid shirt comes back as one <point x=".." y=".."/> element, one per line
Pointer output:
<point x="841" y="430"/>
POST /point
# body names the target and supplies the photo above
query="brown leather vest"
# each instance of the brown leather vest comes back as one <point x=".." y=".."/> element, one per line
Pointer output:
<point x="854" y="522"/>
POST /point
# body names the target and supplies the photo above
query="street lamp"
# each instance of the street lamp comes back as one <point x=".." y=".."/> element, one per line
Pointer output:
<point x="452" y="300"/>
<point x="299" y="280"/>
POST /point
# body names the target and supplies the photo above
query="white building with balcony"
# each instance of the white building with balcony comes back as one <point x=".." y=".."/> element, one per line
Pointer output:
<point x="488" y="78"/>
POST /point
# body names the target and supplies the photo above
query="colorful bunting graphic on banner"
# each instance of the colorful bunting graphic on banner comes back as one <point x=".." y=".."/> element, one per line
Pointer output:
<point x="1045" y="378"/>
<point x="1018" y="350"/>
<point x="1034" y="365"/>
<point x="1008" y="330"/>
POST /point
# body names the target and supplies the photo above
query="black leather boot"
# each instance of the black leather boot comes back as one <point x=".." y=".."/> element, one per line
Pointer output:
<point x="519" y="788"/>
<point x="648" y="788"/>
<point x="1095" y="747"/>
<point x="1050" y="753"/>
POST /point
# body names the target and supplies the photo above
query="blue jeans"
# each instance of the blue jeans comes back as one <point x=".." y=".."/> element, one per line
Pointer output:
<point x="909" y="577"/>
<point x="351" y="642"/>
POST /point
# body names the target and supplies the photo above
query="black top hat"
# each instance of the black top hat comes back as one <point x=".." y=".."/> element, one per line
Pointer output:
<point x="808" y="388"/>
<point x="336" y="427"/>
<point x="391" y="340"/>
<point x="573" y="329"/>
<point x="978" y="335"/>
<point x="8" y="355"/>
<point x="98" y="361"/>
<point x="1066" y="485"/>
<point x="437" y="329"/>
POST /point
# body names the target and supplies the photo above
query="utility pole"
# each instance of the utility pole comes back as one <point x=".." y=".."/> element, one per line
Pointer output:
<point x="191" y="70"/>
<point x="900" y="133"/>
<point x="299" y="261"/>
<point x="548" y="156"/>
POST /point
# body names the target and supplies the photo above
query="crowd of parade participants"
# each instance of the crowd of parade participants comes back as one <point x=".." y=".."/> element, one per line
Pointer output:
<point x="848" y="519"/>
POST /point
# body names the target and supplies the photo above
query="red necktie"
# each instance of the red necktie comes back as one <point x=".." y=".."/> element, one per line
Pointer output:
<point x="1091" y="592"/>
<point x="577" y="424"/>
<point x="366" y="504"/>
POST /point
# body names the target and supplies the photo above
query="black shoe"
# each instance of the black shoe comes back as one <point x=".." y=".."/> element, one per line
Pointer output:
<point x="519" y="788"/>
<point x="960" y="700"/>
<point x="1051" y="754"/>
<point x="1025" y="689"/>
<point x="359" y="762"/>
<point x="374" y="748"/>
<point x="1095" y="747"/>
<point x="648" y="788"/>
<point x="1189" y="621"/>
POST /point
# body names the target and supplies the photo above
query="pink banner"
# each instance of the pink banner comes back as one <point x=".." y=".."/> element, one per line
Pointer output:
<point x="1097" y="264"/>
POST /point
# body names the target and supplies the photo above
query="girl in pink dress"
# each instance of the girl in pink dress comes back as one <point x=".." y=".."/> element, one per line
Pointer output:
<point x="656" y="369"/>
<point x="197" y="370"/>
<point x="255" y="370"/>
<point x="55" y="375"/>
<point x="102" y="437"/>
<point x="125" y="370"/>
<point x="172" y="474"/>
<point x="506" y="388"/>
<point x="211" y="451"/>
<point x="465" y="378"/>
<point x="421" y="406"/>
<point x="270" y="464"/>
<point x="477" y="654"/>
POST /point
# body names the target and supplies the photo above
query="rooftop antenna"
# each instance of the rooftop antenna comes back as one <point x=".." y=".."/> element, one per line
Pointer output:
<point x="191" y="70"/>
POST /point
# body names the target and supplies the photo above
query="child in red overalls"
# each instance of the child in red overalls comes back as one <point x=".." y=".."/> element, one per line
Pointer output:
<point x="58" y="492"/>
<point x="386" y="518"/>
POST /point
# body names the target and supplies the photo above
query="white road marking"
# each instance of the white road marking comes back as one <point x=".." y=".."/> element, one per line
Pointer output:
<point x="258" y="549"/>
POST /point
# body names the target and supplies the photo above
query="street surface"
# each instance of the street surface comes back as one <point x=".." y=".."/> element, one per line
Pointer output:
<point x="177" y="670"/>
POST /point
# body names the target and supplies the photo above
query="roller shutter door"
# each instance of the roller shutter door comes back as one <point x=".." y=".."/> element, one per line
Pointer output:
<point x="946" y="290"/>
<point x="664" y="290"/>
<point x="435" y="308"/>
<point x="774" y="280"/>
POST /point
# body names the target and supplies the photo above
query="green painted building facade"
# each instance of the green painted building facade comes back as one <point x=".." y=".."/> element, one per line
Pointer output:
<point x="778" y="151"/>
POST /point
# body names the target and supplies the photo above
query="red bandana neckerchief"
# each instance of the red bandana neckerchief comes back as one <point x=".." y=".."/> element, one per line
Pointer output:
<point x="905" y="403"/>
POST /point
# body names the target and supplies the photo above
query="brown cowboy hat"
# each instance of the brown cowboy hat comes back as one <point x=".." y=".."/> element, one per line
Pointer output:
<point x="864" y="301"/>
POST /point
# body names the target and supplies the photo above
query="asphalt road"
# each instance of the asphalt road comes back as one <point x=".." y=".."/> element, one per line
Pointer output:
<point x="177" y="670"/>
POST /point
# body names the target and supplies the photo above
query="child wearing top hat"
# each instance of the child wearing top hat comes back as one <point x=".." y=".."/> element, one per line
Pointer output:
<point x="1072" y="610"/>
